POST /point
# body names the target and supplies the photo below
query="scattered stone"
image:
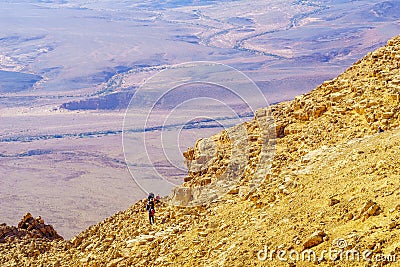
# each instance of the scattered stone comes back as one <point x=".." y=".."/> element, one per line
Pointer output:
<point x="349" y="216"/>
<point x="397" y="208"/>
<point x="333" y="201"/>
<point x="114" y="262"/>
<point x="393" y="225"/>
<point x="187" y="178"/>
<point x="234" y="191"/>
<point x="369" y="209"/>
<point x="314" y="240"/>
<point x="203" y="234"/>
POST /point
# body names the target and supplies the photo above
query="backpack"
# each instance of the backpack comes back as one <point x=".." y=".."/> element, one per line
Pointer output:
<point x="152" y="211"/>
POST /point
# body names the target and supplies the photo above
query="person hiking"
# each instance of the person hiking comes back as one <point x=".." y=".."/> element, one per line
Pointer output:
<point x="150" y="209"/>
<point x="150" y="197"/>
<point x="158" y="199"/>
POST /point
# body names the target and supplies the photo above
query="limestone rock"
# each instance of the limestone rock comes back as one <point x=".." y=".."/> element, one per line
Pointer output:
<point x="369" y="209"/>
<point x="333" y="201"/>
<point x="315" y="239"/>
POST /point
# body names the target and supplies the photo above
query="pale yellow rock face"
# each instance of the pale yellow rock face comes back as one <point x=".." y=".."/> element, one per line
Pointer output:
<point x="334" y="183"/>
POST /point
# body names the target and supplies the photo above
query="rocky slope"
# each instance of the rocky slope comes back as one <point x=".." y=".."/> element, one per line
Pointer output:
<point x="333" y="185"/>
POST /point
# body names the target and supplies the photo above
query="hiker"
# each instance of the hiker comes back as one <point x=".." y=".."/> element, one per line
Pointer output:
<point x="150" y="209"/>
<point x="158" y="199"/>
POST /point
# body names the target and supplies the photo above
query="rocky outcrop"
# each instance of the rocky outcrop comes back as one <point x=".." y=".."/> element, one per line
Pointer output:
<point x="238" y="156"/>
<point x="28" y="227"/>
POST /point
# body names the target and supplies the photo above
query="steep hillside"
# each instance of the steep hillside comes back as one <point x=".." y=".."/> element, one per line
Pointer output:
<point x="333" y="185"/>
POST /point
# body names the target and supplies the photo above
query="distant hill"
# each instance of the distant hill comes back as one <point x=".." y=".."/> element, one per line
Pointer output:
<point x="117" y="100"/>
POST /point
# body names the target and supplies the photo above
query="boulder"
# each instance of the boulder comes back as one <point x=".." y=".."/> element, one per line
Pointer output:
<point x="315" y="239"/>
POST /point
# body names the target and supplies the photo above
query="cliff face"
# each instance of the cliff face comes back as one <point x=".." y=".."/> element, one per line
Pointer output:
<point x="333" y="183"/>
<point x="118" y="100"/>
<point x="28" y="228"/>
<point x="239" y="158"/>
